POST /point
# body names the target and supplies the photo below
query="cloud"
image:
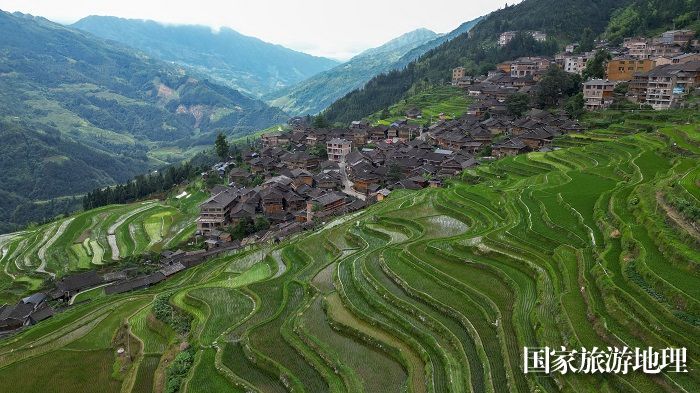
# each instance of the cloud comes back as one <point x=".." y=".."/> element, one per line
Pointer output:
<point x="337" y="29"/>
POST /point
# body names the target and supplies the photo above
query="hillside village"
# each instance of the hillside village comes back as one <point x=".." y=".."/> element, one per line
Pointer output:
<point x="364" y="164"/>
<point x="298" y="179"/>
<point x="293" y="180"/>
<point x="306" y="174"/>
<point x="658" y="72"/>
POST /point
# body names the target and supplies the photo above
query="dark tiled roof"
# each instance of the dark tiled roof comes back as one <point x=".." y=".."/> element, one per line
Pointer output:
<point x="79" y="281"/>
<point x="221" y="199"/>
<point x="172" y="269"/>
<point x="35" y="298"/>
<point x="41" y="314"/>
<point x="513" y="143"/>
<point x="19" y="312"/>
<point x="329" y="198"/>
<point x="136" y="283"/>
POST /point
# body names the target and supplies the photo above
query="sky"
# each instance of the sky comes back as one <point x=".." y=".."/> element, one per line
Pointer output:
<point x="330" y="28"/>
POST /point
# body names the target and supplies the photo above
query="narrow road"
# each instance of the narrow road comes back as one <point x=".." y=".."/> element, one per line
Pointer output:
<point x="347" y="184"/>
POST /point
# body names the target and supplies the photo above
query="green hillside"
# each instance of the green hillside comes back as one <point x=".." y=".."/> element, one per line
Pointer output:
<point x="564" y="21"/>
<point x="77" y="113"/>
<point x="435" y="290"/>
<point x="450" y="101"/>
<point x="316" y="93"/>
<point x="93" y="239"/>
<point x="230" y="58"/>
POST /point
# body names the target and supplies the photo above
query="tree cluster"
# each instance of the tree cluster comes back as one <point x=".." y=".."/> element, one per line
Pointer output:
<point x="165" y="312"/>
<point x="479" y="52"/>
<point x="247" y="226"/>
<point x="642" y="17"/>
<point x="555" y="87"/>
<point x="517" y="104"/>
<point x="179" y="369"/>
<point x="596" y="66"/>
<point x="141" y="187"/>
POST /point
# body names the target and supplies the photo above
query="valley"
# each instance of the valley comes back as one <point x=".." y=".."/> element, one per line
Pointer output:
<point x="511" y="205"/>
<point x="440" y="288"/>
<point x="93" y="111"/>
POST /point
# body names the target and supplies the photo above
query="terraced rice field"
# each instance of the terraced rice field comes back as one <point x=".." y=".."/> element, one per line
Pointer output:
<point x="90" y="239"/>
<point x="437" y="290"/>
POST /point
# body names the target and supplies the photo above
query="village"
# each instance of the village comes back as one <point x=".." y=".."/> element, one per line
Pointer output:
<point x="658" y="72"/>
<point x="365" y="162"/>
<point x="299" y="178"/>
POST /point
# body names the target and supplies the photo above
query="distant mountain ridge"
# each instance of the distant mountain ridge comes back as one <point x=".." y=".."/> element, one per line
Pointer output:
<point x="419" y="51"/>
<point x="78" y="112"/>
<point x="478" y="50"/>
<point x="231" y="58"/>
<point x="316" y="93"/>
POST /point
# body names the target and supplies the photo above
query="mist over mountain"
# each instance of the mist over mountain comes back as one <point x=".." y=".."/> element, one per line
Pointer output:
<point x="242" y="62"/>
<point x="77" y="112"/>
<point x="318" y="92"/>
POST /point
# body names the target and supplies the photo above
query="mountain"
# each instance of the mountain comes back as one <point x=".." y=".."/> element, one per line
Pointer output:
<point x="443" y="290"/>
<point x="649" y="17"/>
<point x="419" y="51"/>
<point x="77" y="112"/>
<point x="244" y="63"/>
<point x="316" y="93"/>
<point x="564" y="20"/>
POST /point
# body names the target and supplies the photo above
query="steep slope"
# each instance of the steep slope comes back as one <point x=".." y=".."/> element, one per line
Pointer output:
<point x="436" y="290"/>
<point x="419" y="51"/>
<point x="478" y="50"/>
<point x="648" y="17"/>
<point x="78" y="113"/>
<point x="315" y="94"/>
<point x="244" y="63"/>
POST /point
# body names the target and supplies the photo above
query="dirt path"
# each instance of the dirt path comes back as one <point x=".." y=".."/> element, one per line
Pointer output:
<point x="347" y="184"/>
<point x="281" y="267"/>
<point x="674" y="215"/>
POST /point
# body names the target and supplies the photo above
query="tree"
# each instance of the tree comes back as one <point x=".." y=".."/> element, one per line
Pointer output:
<point x="222" y="147"/>
<point x="393" y="173"/>
<point x="587" y="41"/>
<point x="554" y="86"/>
<point x="595" y="67"/>
<point x="261" y="223"/>
<point x="385" y="114"/>
<point x="236" y="154"/>
<point x="620" y="100"/>
<point x="320" y="121"/>
<point x="243" y="228"/>
<point x="213" y="180"/>
<point x="319" y="151"/>
<point x="621" y="89"/>
<point x="575" y="105"/>
<point x="518" y="104"/>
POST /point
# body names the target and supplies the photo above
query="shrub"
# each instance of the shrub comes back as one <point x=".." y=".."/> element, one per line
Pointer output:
<point x="178" y="370"/>
<point x="165" y="312"/>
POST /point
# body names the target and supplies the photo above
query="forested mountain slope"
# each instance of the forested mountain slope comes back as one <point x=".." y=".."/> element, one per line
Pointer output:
<point x="436" y="290"/>
<point x="563" y="20"/>
<point x="244" y="63"/>
<point x="316" y="93"/>
<point x="77" y="113"/>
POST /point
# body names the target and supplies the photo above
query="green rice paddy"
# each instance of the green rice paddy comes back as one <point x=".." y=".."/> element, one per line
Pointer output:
<point x="435" y="290"/>
<point x="92" y="239"/>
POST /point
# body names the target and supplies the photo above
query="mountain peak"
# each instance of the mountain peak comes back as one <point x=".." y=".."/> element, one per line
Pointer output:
<point x="223" y="54"/>
<point x="411" y="38"/>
